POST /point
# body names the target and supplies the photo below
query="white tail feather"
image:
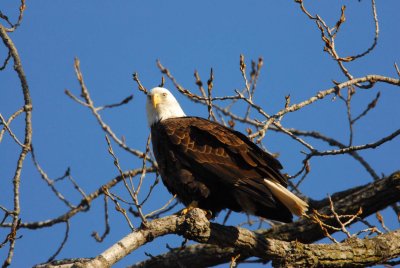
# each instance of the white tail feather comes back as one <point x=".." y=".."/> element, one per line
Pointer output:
<point x="290" y="200"/>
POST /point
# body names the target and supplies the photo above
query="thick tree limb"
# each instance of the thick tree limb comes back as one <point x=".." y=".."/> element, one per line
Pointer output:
<point x="195" y="226"/>
<point x="234" y="240"/>
<point x="351" y="253"/>
<point x="371" y="197"/>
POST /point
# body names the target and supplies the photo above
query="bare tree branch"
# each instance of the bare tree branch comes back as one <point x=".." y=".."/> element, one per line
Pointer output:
<point x="88" y="102"/>
<point x="83" y="205"/>
<point x="195" y="226"/>
<point x="27" y="139"/>
<point x="371" y="197"/>
<point x="285" y="245"/>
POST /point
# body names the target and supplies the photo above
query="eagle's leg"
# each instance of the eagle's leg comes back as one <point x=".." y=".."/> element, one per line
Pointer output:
<point x="195" y="204"/>
<point x="192" y="205"/>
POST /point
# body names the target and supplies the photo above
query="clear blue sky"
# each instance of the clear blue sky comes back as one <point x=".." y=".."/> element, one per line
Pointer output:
<point x="114" y="39"/>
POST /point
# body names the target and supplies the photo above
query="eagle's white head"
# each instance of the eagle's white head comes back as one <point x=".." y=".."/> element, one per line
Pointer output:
<point x="161" y="105"/>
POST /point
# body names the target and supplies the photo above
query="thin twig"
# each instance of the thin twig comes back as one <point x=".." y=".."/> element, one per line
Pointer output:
<point x="376" y="36"/>
<point x="123" y="102"/>
<point x="95" y="235"/>
<point x="200" y="84"/>
<point x="83" y="205"/>
<point x="131" y="192"/>
<point x="397" y="69"/>
<point x="210" y="85"/>
<point x="151" y="214"/>
<point x="381" y="221"/>
<point x="255" y="73"/>
<point x="4" y="122"/>
<point x="6" y="61"/>
<point x="228" y="214"/>
<point x="143" y="167"/>
<point x="119" y="208"/>
<point x="20" y="16"/>
<point x="140" y="86"/>
<point x="336" y="143"/>
<point x="156" y="181"/>
<point x="242" y="68"/>
<point x="89" y="103"/>
<point x="62" y="243"/>
<point x="370" y="106"/>
<point x="76" y="186"/>
<point x="8" y="122"/>
<point x="359" y="147"/>
<point x="49" y="181"/>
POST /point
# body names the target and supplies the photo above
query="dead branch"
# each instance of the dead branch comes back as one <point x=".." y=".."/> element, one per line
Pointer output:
<point x="88" y="102"/>
<point x="27" y="139"/>
<point x="195" y="226"/>
<point x="372" y="197"/>
<point x="83" y="205"/>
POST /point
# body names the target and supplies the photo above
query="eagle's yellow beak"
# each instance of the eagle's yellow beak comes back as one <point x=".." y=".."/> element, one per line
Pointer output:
<point x="155" y="99"/>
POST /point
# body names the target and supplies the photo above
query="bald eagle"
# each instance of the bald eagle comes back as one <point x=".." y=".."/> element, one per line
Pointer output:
<point x="210" y="166"/>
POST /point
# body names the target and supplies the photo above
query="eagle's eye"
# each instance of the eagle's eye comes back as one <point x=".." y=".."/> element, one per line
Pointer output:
<point x="164" y="94"/>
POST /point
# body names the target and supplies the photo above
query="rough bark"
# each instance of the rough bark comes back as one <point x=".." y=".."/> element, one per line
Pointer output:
<point x="195" y="226"/>
<point x="230" y="241"/>
<point x="371" y="197"/>
<point x="224" y="242"/>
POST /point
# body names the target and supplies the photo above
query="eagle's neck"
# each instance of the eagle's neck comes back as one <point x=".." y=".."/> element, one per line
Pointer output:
<point x="163" y="112"/>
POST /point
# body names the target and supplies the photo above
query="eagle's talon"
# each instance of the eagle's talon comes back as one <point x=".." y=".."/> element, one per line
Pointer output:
<point x="209" y="214"/>
<point x="185" y="211"/>
<point x="192" y="205"/>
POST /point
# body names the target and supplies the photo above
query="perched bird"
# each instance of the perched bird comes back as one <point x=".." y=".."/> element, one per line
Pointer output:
<point x="212" y="167"/>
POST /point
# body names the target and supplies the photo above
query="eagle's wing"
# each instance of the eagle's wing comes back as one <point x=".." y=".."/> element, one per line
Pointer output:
<point x="216" y="156"/>
<point x="225" y="152"/>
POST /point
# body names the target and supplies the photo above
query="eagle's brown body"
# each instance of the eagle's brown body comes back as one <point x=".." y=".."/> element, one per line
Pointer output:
<point x="220" y="168"/>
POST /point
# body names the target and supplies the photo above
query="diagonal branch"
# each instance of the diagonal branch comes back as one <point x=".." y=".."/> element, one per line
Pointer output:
<point x="195" y="226"/>
<point x="272" y="244"/>
<point x="371" y="197"/>
<point x="88" y="102"/>
<point x="83" y="205"/>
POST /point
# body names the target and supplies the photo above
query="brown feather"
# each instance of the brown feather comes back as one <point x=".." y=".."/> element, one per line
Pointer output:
<point x="219" y="168"/>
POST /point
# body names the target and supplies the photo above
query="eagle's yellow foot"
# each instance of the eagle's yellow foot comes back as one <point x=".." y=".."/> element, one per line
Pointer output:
<point x="191" y="206"/>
